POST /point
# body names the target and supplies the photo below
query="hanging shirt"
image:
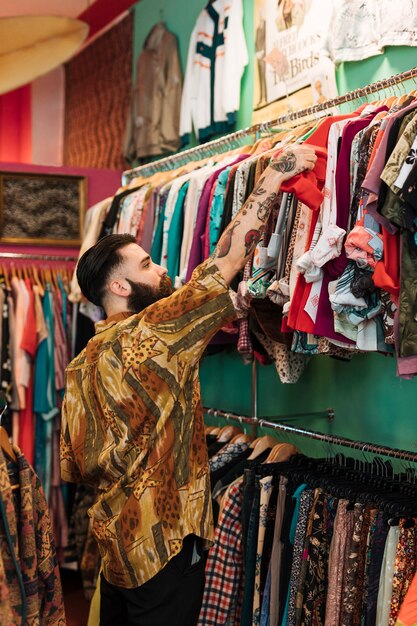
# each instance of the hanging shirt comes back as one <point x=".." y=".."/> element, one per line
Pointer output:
<point x="132" y="424"/>
<point x="153" y="120"/>
<point x="217" y="56"/>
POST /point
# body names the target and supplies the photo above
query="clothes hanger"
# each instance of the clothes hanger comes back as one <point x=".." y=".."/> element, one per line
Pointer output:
<point x="4" y="438"/>
<point x="228" y="432"/>
<point x="260" y="445"/>
<point x="242" y="438"/>
<point x="282" y="452"/>
<point x="13" y="271"/>
<point x="37" y="280"/>
<point x="215" y="430"/>
<point x="5" y="273"/>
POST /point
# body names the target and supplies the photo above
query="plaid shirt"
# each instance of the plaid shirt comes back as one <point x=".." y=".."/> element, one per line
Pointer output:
<point x="224" y="569"/>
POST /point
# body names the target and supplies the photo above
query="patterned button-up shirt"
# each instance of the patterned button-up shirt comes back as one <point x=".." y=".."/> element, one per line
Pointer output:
<point x="132" y="424"/>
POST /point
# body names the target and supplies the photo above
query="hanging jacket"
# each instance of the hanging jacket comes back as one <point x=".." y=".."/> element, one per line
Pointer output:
<point x="30" y="584"/>
<point x="153" y="120"/>
<point x="217" y="56"/>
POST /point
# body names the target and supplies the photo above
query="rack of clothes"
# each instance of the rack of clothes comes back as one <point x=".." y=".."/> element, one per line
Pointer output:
<point x="302" y="540"/>
<point x="333" y="273"/>
<point x="36" y="345"/>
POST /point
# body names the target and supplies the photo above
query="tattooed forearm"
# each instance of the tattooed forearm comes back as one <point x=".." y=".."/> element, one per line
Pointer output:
<point x="264" y="207"/>
<point x="285" y="163"/>
<point x="251" y="239"/>
<point x="225" y="243"/>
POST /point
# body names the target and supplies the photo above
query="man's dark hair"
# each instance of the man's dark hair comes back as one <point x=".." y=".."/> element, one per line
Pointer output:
<point x="97" y="263"/>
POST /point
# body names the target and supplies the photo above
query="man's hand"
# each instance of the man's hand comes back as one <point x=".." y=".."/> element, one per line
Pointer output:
<point x="293" y="160"/>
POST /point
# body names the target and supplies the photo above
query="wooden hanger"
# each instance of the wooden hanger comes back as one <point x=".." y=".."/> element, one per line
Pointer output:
<point x="260" y="445"/>
<point x="4" y="438"/>
<point x="280" y="453"/>
<point x="4" y="270"/>
<point x="227" y="433"/>
<point x="5" y="444"/>
<point x="215" y="430"/>
<point x="37" y="281"/>
<point x="242" y="438"/>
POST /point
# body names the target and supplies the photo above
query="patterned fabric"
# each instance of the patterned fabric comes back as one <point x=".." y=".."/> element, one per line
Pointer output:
<point x="266" y="490"/>
<point x="28" y="527"/>
<point x="306" y="502"/>
<point x="224" y="567"/>
<point x="350" y="578"/>
<point x="368" y="519"/>
<point x="401" y="151"/>
<point x="408" y="612"/>
<point x="97" y="97"/>
<point x="404" y="567"/>
<point x="82" y="545"/>
<point x="315" y="588"/>
<point x="378" y="536"/>
<point x="229" y="452"/>
<point x="342" y="532"/>
<point x="289" y="366"/>
<point x="132" y="424"/>
<point x="244" y="345"/>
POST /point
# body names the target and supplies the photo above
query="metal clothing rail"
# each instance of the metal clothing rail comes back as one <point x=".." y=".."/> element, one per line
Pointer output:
<point x="208" y="148"/>
<point x="362" y="446"/>
<point x="37" y="257"/>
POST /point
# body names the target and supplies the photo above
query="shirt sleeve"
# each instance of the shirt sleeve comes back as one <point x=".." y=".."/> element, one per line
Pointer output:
<point x="188" y="319"/>
<point x="69" y="469"/>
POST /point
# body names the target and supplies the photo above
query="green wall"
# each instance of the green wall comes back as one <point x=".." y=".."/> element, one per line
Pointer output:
<point x="370" y="402"/>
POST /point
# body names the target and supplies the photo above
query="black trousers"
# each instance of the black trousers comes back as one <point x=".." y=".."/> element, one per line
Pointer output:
<point x="173" y="597"/>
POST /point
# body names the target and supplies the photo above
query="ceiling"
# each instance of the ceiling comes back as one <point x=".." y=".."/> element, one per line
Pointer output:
<point x="97" y="13"/>
<point x="69" y="8"/>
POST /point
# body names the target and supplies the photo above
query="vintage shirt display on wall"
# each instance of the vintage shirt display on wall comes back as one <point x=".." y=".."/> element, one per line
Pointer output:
<point x="363" y="29"/>
<point x="217" y="57"/>
<point x="153" y="121"/>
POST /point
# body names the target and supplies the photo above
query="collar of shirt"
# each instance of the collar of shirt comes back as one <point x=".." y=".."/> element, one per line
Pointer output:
<point x="112" y="320"/>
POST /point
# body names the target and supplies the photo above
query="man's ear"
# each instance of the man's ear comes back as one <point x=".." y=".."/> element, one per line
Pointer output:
<point x="120" y="288"/>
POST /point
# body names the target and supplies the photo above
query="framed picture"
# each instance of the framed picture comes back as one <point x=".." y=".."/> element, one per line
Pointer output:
<point x="42" y="209"/>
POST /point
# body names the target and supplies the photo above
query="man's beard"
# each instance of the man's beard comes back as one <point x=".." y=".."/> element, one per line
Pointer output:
<point x="143" y="295"/>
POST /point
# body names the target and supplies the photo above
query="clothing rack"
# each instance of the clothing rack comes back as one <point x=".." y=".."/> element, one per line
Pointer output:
<point x="211" y="147"/>
<point x="361" y="446"/>
<point x="37" y="257"/>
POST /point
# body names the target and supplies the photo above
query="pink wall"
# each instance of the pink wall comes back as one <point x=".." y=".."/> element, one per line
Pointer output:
<point x="100" y="185"/>
<point x="15" y="125"/>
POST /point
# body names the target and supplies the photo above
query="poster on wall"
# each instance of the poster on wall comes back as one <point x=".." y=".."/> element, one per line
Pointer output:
<point x="292" y="67"/>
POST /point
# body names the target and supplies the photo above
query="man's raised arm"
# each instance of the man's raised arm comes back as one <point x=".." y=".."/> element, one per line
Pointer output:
<point x="241" y="236"/>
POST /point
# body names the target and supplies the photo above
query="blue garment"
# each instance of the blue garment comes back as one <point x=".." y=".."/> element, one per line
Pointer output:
<point x="44" y="397"/>
<point x="175" y="233"/>
<point x="266" y="601"/>
<point x="156" y="250"/>
<point x="64" y="302"/>
<point x="217" y="208"/>
<point x="296" y="496"/>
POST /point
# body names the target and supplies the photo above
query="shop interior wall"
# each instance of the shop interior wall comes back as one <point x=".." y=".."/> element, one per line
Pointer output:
<point x="370" y="402"/>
